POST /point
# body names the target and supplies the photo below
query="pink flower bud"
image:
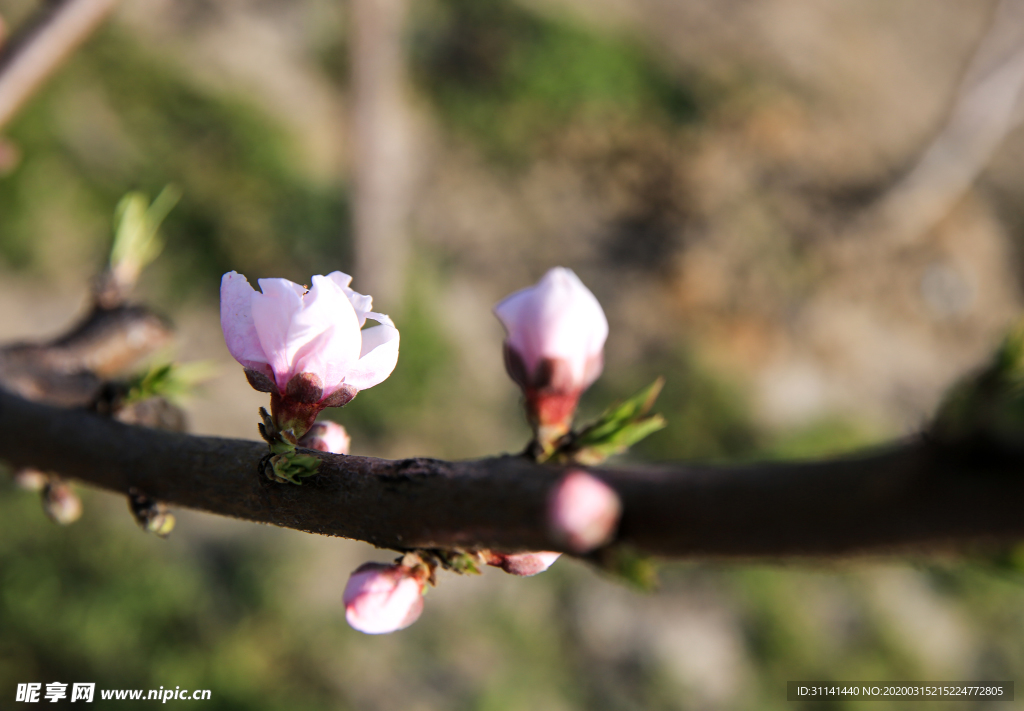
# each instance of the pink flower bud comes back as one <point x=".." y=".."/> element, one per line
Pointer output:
<point x="554" y="346"/>
<point x="306" y="347"/>
<point x="30" y="479"/>
<point x="383" y="598"/>
<point x="61" y="503"/>
<point x="327" y="436"/>
<point x="583" y="512"/>
<point x="523" y="564"/>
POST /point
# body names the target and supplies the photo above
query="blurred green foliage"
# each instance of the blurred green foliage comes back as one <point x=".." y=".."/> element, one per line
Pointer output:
<point x="116" y="609"/>
<point x="144" y="124"/>
<point x="708" y="417"/>
<point x="104" y="602"/>
<point x="419" y="383"/>
<point x="508" y="78"/>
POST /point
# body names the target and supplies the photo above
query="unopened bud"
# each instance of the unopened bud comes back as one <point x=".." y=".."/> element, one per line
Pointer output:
<point x="327" y="436"/>
<point x="583" y="512"/>
<point x="61" y="503"/>
<point x="556" y="331"/>
<point x="523" y="564"/>
<point x="151" y="515"/>
<point x="30" y="479"/>
<point x="383" y="598"/>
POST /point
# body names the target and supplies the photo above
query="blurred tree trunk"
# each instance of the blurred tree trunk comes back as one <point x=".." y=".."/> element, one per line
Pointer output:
<point x="382" y="148"/>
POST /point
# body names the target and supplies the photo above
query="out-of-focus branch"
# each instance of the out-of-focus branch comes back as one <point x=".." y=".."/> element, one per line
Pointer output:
<point x="988" y="105"/>
<point x="381" y="146"/>
<point x="47" y="40"/>
<point x="114" y="335"/>
<point x="69" y="370"/>
<point x="913" y="494"/>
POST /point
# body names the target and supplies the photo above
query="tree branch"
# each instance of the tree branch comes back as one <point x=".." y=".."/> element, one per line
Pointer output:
<point x="988" y="106"/>
<point x="31" y="56"/>
<point x="69" y="370"/>
<point x="914" y="494"/>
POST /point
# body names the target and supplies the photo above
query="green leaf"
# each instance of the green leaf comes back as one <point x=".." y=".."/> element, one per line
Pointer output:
<point x="168" y="380"/>
<point x="621" y="426"/>
<point x="616" y="416"/>
<point x="460" y="562"/>
<point x="989" y="402"/>
<point x="136" y="242"/>
<point x="623" y="562"/>
<point x="291" y="467"/>
<point x="619" y="441"/>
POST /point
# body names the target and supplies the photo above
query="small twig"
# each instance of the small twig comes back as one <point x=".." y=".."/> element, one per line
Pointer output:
<point x="988" y="105"/>
<point x="47" y="40"/>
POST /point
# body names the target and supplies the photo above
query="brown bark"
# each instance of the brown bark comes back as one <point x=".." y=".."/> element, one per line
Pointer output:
<point x="916" y="494"/>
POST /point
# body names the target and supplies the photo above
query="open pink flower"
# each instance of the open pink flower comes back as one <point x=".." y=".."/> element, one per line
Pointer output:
<point x="382" y="598"/>
<point x="556" y="331"/>
<point x="311" y="342"/>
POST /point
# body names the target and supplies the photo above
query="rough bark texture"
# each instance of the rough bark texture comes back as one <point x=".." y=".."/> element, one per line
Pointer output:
<point x="915" y="494"/>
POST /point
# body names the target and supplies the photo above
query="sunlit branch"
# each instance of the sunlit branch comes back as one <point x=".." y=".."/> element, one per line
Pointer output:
<point x="916" y="494"/>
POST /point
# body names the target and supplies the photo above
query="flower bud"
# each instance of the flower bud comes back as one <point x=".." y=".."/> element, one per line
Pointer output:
<point x="583" y="512"/>
<point x="383" y="598"/>
<point x="151" y="515"/>
<point x="556" y="331"/>
<point x="61" y="503"/>
<point x="30" y="479"/>
<point x="523" y="564"/>
<point x="327" y="436"/>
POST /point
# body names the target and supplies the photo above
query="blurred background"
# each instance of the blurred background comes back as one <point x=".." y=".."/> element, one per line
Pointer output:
<point x="806" y="216"/>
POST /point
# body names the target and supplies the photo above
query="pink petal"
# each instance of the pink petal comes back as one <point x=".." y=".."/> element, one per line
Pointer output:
<point x="312" y="332"/>
<point x="327" y="436"/>
<point x="360" y="302"/>
<point x="527" y="564"/>
<point x="274" y="313"/>
<point x="288" y="330"/>
<point x="378" y="357"/>
<point x="339" y="349"/>
<point x="583" y="512"/>
<point x="557" y="318"/>
<point x="382" y="598"/>
<point x="237" y="323"/>
<point x="382" y="319"/>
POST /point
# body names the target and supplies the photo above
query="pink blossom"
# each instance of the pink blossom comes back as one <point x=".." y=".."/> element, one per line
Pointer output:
<point x="285" y="331"/>
<point x="383" y="598"/>
<point x="61" y="503"/>
<point x="327" y="436"/>
<point x="583" y="511"/>
<point x="523" y="564"/>
<point x="556" y="331"/>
